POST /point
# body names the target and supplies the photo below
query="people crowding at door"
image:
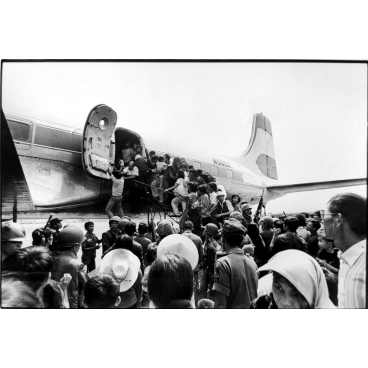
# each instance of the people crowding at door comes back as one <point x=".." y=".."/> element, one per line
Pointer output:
<point x="279" y="262"/>
<point x="234" y="259"/>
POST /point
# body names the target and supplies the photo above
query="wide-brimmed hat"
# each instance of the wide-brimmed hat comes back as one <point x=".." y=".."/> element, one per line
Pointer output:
<point x="123" y="266"/>
<point x="179" y="244"/>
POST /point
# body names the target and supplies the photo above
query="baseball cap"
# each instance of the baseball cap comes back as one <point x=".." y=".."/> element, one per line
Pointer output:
<point x="123" y="266"/>
<point x="181" y="245"/>
<point x="233" y="227"/>
<point x="165" y="227"/>
<point x="54" y="221"/>
<point x="220" y="193"/>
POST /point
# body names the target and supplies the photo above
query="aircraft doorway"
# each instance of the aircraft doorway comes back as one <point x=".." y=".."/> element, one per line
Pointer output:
<point x="122" y="136"/>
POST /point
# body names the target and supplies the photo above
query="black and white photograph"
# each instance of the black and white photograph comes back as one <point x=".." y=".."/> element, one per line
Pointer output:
<point x="183" y="184"/>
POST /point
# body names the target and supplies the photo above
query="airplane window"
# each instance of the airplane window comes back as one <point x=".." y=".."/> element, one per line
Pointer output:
<point x="229" y="174"/>
<point x="214" y="171"/>
<point x="20" y="131"/>
<point x="58" y="139"/>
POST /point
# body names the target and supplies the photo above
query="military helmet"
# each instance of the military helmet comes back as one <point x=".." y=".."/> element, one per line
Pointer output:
<point x="114" y="218"/>
<point x="70" y="236"/>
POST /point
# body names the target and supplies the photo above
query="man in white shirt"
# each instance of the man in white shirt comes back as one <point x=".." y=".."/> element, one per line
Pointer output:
<point x="131" y="173"/>
<point x="345" y="223"/>
<point x="117" y="194"/>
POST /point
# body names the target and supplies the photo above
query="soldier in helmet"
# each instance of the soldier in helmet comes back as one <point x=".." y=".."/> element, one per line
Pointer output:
<point x="12" y="237"/>
<point x="109" y="237"/>
<point x="66" y="261"/>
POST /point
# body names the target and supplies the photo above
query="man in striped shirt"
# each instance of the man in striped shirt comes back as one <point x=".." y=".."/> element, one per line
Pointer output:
<point x="345" y="223"/>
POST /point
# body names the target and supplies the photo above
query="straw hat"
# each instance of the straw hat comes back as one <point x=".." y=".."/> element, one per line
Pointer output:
<point x="179" y="244"/>
<point x="123" y="266"/>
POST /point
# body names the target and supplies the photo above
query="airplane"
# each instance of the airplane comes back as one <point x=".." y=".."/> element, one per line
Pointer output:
<point x="48" y="166"/>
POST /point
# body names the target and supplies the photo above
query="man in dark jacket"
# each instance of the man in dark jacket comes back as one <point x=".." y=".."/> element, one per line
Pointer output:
<point x="235" y="278"/>
<point x="289" y="240"/>
<point x="66" y="261"/>
<point x="137" y="249"/>
<point x="109" y="237"/>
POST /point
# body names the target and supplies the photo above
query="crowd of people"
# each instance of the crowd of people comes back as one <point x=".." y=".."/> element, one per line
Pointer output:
<point x="221" y="258"/>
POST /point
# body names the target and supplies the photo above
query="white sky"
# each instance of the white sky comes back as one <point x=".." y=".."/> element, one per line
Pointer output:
<point x="318" y="112"/>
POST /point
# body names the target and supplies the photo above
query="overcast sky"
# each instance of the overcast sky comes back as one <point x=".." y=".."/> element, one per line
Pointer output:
<point x="318" y="112"/>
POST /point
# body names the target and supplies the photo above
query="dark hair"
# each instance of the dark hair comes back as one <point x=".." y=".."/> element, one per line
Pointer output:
<point x="17" y="294"/>
<point x="353" y="208"/>
<point x="170" y="282"/>
<point x="37" y="237"/>
<point x="202" y="188"/>
<point x="154" y="157"/>
<point x="181" y="174"/>
<point x="235" y="196"/>
<point x="315" y="224"/>
<point x="101" y="292"/>
<point x="124" y="242"/>
<point x="292" y="223"/>
<point x="332" y="282"/>
<point x="30" y="265"/>
<point x="188" y="225"/>
<point x="213" y="186"/>
<point x="31" y="259"/>
<point x="306" y="214"/>
<point x="167" y="156"/>
<point x="152" y="153"/>
<point x="117" y="174"/>
<point x="301" y="219"/>
<point x="317" y="213"/>
<point x="87" y="224"/>
<point x="130" y="228"/>
<point x="192" y="186"/>
<point x="151" y="255"/>
<point x="160" y="158"/>
<point x="142" y="228"/>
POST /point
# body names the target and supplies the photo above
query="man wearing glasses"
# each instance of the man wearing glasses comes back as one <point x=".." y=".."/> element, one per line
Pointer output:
<point x="345" y="222"/>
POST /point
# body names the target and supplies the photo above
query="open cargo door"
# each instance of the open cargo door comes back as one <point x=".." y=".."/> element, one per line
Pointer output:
<point x="98" y="146"/>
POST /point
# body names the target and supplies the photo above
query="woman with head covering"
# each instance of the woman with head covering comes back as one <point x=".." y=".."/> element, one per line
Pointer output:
<point x="298" y="282"/>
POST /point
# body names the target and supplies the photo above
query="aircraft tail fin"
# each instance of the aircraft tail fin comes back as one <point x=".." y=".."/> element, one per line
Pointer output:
<point x="260" y="154"/>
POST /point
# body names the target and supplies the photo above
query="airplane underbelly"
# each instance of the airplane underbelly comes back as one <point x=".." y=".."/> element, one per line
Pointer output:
<point x="54" y="184"/>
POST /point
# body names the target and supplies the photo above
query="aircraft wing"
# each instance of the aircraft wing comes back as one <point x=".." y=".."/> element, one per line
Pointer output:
<point x="15" y="193"/>
<point x="303" y="187"/>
